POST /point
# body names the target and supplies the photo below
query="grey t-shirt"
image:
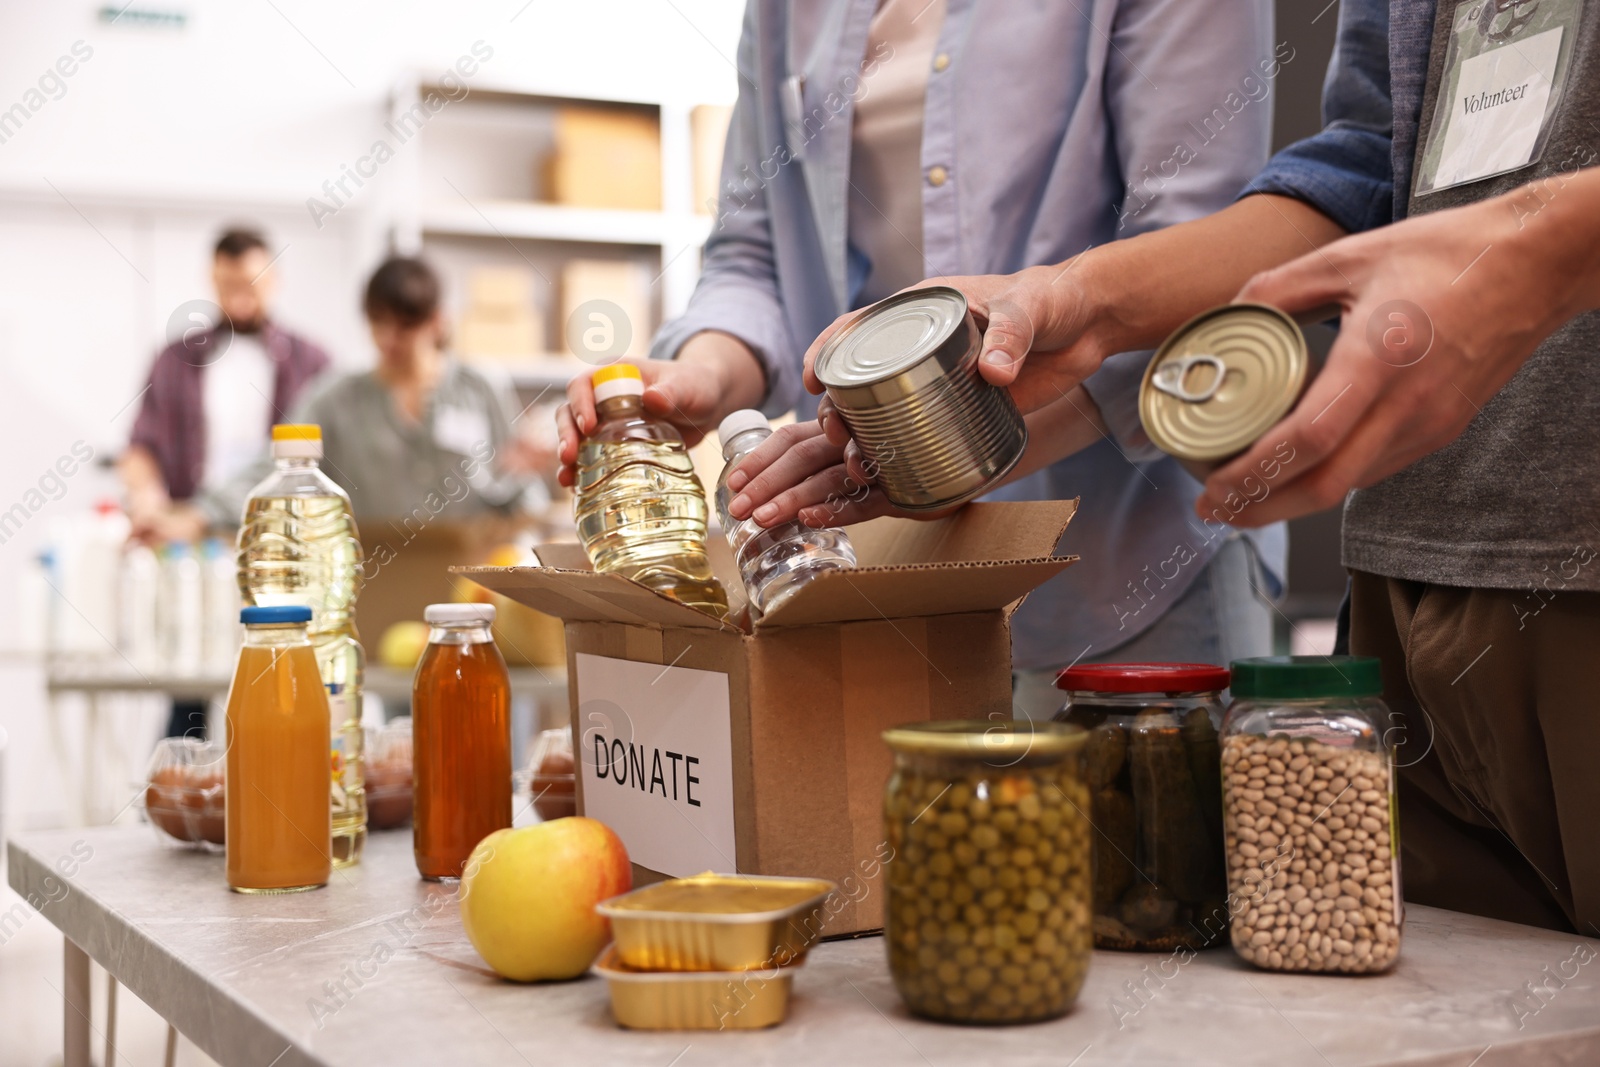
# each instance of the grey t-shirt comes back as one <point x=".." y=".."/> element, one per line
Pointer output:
<point x="1514" y="502"/>
<point x="446" y="461"/>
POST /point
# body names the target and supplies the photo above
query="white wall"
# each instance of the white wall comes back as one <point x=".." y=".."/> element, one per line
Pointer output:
<point x="111" y="195"/>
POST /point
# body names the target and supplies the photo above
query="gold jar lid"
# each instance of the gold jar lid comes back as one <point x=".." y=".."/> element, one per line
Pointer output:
<point x="995" y="740"/>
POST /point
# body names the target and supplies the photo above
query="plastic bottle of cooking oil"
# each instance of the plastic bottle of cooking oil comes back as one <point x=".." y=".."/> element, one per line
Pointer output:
<point x="298" y="546"/>
<point x="641" y="510"/>
<point x="776" y="562"/>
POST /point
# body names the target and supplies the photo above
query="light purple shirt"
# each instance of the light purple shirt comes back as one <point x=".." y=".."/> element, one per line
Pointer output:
<point x="1058" y="125"/>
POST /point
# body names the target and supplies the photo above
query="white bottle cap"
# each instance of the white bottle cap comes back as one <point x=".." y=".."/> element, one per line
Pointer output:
<point x="457" y="614"/>
<point x="741" y="421"/>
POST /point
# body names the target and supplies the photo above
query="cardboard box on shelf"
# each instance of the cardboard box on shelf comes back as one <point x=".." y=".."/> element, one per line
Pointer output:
<point x="708" y="133"/>
<point x="406" y="566"/>
<point x="500" y="320"/>
<point x="606" y="157"/>
<point x="604" y="332"/>
<point x="706" y="746"/>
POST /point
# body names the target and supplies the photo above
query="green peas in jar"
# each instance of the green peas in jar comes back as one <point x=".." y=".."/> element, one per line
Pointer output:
<point x="989" y="818"/>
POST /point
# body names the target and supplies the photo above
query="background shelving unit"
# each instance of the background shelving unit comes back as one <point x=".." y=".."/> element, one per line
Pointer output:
<point x="472" y="193"/>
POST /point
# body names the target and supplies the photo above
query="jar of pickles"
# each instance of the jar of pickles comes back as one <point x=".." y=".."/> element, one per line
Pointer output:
<point x="1154" y="774"/>
<point x="988" y="885"/>
<point x="1309" y="812"/>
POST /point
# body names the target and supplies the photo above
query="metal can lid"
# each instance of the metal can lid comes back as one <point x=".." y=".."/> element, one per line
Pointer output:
<point x="986" y="740"/>
<point x="1222" y="380"/>
<point x="894" y="335"/>
<point x="1144" y="678"/>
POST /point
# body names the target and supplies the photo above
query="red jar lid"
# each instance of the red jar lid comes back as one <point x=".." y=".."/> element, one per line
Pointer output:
<point x="1144" y="678"/>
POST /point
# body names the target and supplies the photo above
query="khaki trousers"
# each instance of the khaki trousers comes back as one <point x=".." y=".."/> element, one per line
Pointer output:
<point x="1496" y="722"/>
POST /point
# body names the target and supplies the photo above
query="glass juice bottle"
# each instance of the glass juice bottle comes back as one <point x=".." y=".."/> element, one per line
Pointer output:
<point x="279" y="824"/>
<point x="461" y="729"/>
<point x="298" y="545"/>
<point x="640" y="508"/>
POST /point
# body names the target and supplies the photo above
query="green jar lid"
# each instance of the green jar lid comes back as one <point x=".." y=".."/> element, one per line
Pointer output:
<point x="1306" y="677"/>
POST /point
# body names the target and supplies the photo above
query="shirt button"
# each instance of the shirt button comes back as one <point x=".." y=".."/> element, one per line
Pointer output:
<point x="941" y="61"/>
<point x="937" y="176"/>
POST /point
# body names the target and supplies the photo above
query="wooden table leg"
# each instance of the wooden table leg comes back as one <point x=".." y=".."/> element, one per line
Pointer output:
<point x="111" y="1020"/>
<point x="75" y="1007"/>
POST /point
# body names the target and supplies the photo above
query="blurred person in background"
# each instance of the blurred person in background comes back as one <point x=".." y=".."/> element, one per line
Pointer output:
<point x="876" y="143"/>
<point x="213" y="395"/>
<point x="210" y="402"/>
<point x="420" y="436"/>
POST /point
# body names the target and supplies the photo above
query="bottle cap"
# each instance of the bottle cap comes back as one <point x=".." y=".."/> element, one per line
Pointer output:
<point x="448" y="614"/>
<point x="739" y="422"/>
<point x="296" y="441"/>
<point x="259" y="616"/>
<point x="1143" y="678"/>
<point x="619" y="379"/>
<point x="1306" y="677"/>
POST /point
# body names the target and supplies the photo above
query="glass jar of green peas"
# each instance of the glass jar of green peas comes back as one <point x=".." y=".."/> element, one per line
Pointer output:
<point x="988" y="916"/>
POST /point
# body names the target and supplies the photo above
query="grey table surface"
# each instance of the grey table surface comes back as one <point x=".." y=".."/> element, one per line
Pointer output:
<point x="375" y="969"/>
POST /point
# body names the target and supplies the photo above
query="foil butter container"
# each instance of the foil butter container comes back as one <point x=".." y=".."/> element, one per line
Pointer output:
<point x="691" y="1000"/>
<point x="904" y="377"/>
<point x="1221" y="381"/>
<point x="717" y="922"/>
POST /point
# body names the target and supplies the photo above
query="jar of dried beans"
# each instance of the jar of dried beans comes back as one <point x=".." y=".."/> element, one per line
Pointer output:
<point x="1309" y="816"/>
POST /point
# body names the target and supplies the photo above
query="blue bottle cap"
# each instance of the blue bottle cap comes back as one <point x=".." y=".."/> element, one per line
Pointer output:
<point x="257" y="616"/>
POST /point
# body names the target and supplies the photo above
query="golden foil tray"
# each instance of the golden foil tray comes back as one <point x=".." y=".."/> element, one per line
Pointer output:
<point x="683" y="1000"/>
<point x="717" y="922"/>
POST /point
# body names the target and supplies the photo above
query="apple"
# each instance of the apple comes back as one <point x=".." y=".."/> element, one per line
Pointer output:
<point x="528" y="897"/>
<point x="403" y="644"/>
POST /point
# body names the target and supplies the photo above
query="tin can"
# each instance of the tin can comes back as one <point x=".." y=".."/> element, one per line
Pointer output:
<point x="1221" y="380"/>
<point x="904" y="377"/>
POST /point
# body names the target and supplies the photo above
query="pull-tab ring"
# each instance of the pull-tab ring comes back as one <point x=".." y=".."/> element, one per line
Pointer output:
<point x="1170" y="375"/>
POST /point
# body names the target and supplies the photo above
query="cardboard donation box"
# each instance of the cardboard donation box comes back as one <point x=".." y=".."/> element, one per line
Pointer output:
<point x="710" y="747"/>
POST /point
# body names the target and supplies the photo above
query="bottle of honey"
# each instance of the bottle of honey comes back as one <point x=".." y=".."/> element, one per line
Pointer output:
<point x="461" y="729"/>
<point x="279" y="823"/>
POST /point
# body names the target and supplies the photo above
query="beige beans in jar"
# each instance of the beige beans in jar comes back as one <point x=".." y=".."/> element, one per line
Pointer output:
<point x="1311" y="851"/>
<point x="989" y="894"/>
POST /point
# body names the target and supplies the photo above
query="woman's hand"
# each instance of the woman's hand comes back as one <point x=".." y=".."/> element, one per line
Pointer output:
<point x="1439" y="312"/>
<point x="798" y="473"/>
<point x="714" y="374"/>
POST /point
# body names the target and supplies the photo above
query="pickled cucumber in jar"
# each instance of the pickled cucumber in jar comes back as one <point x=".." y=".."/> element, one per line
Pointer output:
<point x="1154" y="766"/>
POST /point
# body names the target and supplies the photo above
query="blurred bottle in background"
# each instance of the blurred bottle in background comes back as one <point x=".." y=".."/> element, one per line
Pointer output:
<point x="181" y="607"/>
<point x="298" y="546"/>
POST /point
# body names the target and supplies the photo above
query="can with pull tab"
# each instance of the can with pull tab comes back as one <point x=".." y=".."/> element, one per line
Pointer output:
<point x="1221" y="380"/>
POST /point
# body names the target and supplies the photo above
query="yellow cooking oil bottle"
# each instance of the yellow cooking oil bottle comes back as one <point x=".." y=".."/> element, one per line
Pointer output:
<point x="298" y="546"/>
<point x="641" y="510"/>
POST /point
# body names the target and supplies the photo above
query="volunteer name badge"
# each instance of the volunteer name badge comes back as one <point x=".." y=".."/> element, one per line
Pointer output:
<point x="1504" y="71"/>
<point x="655" y="748"/>
<point x="460" y="430"/>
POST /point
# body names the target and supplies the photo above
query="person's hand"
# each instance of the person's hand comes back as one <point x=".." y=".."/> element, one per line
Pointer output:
<point x="801" y="473"/>
<point x="713" y="375"/>
<point x="1438" y="313"/>
<point x="1037" y="340"/>
<point x="180" y="522"/>
<point x="798" y="473"/>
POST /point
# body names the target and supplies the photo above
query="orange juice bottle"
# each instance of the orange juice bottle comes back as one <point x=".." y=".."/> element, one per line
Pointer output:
<point x="461" y="739"/>
<point x="280" y="825"/>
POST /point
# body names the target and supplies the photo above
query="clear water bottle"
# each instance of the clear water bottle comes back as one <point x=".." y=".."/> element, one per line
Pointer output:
<point x="181" y="607"/>
<point x="640" y="509"/>
<point x="298" y="547"/>
<point x="775" y="562"/>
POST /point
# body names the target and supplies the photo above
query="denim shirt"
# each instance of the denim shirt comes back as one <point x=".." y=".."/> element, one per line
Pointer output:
<point x="1058" y="126"/>
<point x="1357" y="170"/>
